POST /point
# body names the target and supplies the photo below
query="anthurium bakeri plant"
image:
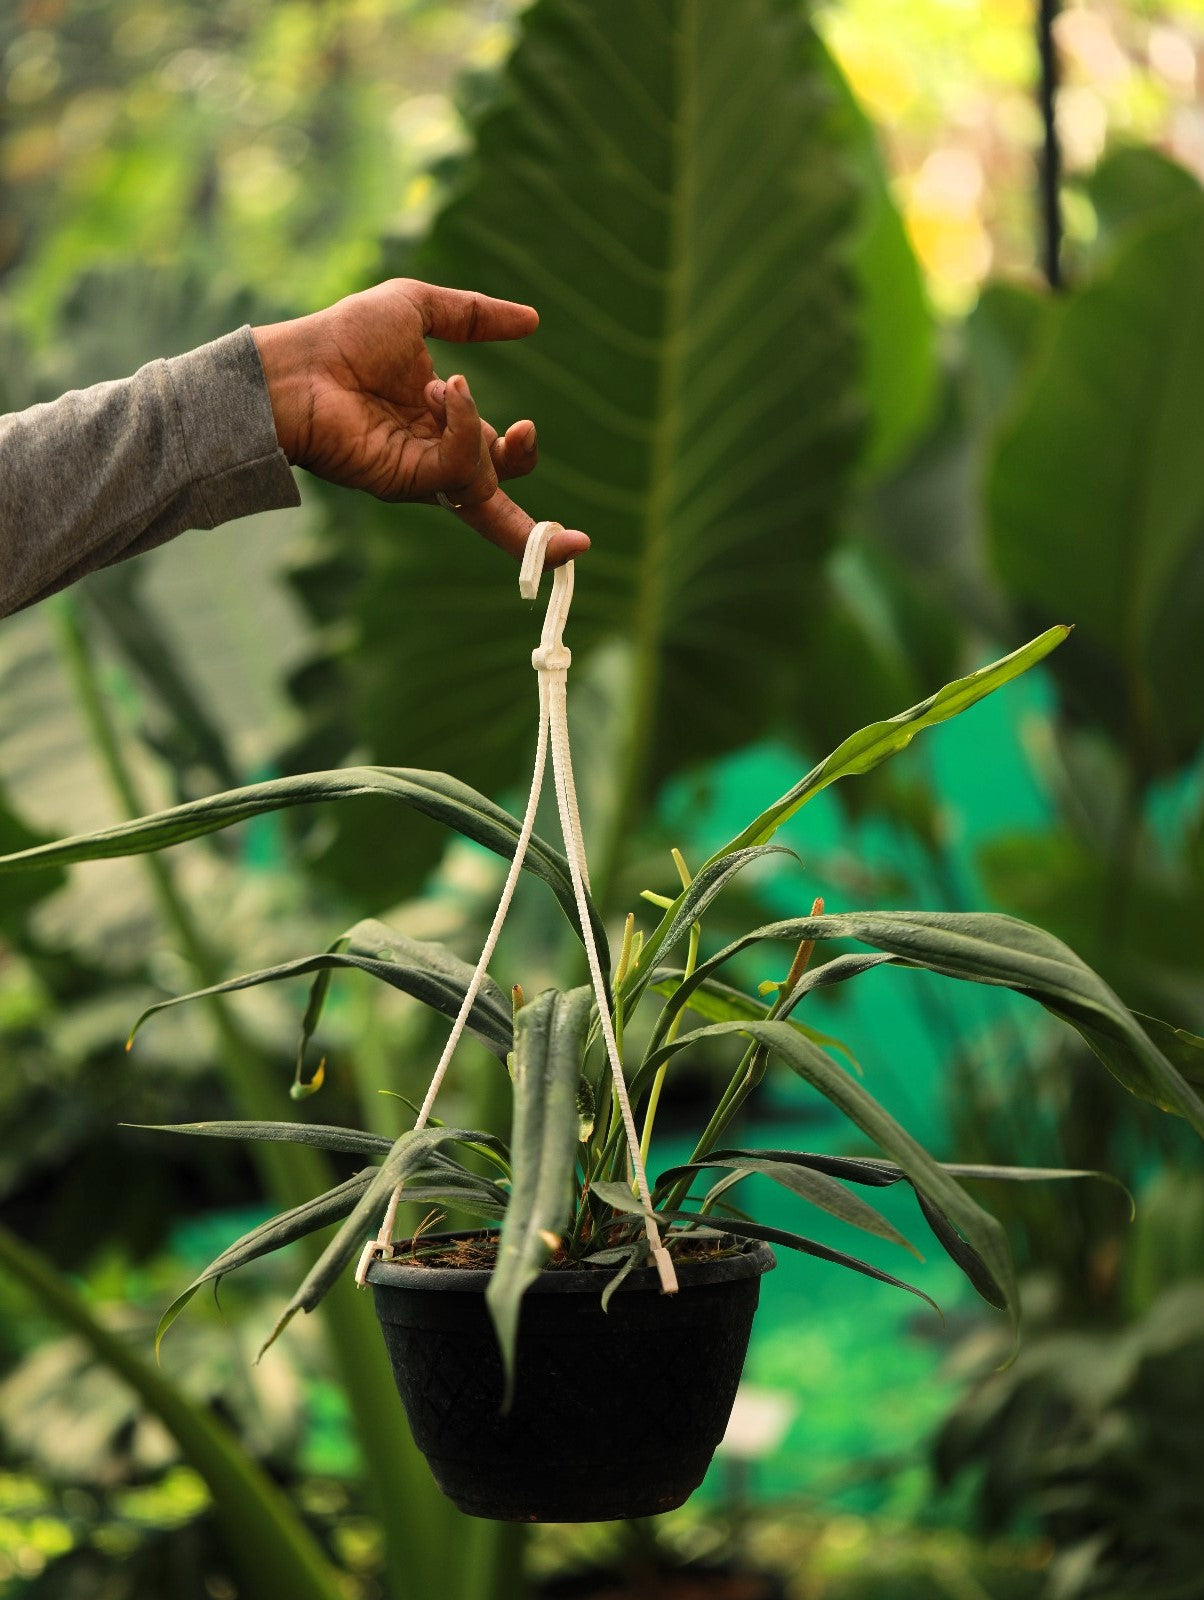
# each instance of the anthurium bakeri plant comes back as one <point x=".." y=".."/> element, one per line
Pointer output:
<point x="558" y="1193"/>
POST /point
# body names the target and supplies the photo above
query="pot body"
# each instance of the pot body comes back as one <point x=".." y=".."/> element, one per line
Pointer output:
<point x="615" y="1413"/>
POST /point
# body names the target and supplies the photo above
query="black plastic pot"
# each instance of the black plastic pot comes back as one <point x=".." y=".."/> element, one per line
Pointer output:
<point x="615" y="1414"/>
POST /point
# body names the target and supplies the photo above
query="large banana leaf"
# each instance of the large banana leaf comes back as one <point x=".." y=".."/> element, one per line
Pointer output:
<point x="983" y="947"/>
<point x="434" y="794"/>
<point x="667" y="184"/>
<point x="278" y="1557"/>
<point x="549" y="1044"/>
<point x="1096" y="490"/>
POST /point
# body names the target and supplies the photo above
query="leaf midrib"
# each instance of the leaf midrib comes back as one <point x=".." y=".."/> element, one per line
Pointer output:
<point x="663" y="450"/>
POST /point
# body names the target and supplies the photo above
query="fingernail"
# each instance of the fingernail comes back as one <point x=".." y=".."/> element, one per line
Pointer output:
<point x="457" y="382"/>
<point x="530" y="440"/>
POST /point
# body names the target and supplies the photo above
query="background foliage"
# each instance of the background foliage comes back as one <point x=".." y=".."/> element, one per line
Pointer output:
<point x="789" y="467"/>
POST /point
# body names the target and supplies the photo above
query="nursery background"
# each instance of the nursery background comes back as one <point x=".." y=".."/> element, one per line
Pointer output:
<point x="874" y="372"/>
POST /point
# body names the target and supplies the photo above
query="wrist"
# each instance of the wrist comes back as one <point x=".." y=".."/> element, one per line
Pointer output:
<point x="286" y="372"/>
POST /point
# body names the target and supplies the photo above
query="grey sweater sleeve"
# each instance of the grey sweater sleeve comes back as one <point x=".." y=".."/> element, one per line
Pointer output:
<point x="107" y="472"/>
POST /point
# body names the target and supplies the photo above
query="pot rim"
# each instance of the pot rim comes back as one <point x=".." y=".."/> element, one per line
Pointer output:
<point x="754" y="1258"/>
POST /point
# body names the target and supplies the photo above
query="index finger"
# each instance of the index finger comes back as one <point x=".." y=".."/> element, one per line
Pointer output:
<point x="504" y="523"/>
<point x="464" y="316"/>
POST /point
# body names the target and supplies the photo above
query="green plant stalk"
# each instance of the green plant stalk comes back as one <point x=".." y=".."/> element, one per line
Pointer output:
<point x="654" y="1097"/>
<point x="394" y="1470"/>
<point x="751" y="1069"/>
<point x="276" y="1555"/>
<point x="491" y="1561"/>
<point x="745" y="1078"/>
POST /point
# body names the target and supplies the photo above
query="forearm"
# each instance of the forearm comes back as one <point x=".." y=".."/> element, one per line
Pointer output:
<point x="107" y="472"/>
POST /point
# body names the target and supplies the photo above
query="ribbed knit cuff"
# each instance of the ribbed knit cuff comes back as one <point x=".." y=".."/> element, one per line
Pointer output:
<point x="227" y="430"/>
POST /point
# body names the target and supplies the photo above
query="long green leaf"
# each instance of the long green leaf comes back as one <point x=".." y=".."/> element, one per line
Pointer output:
<point x="405" y="1158"/>
<point x="861" y="752"/>
<point x="271" y="1235"/>
<point x="621" y="1197"/>
<point x="275" y="1553"/>
<point x="1185" y="1049"/>
<point x="434" y="794"/>
<point x="977" y="1226"/>
<point x="549" y="1040"/>
<point x="985" y="947"/>
<point x="815" y="1187"/>
<point x="321" y="1135"/>
<point x="442" y="990"/>
<point x="881" y="1174"/>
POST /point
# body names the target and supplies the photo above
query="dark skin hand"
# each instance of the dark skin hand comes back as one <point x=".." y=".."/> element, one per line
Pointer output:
<point x="357" y="401"/>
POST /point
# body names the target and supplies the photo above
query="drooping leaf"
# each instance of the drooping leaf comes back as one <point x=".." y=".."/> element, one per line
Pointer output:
<point x="880" y="1174"/>
<point x="619" y="1196"/>
<point x="1185" y="1049"/>
<point x="405" y="1158"/>
<point x="632" y="1256"/>
<point x="417" y="967"/>
<point x="438" y="1177"/>
<point x="674" y="195"/>
<point x="984" y="947"/>
<point x="816" y="1187"/>
<point x="269" y="1236"/>
<point x="549" y="1042"/>
<point x="322" y="1136"/>
<point x="977" y="1227"/>
<point x="859" y="753"/>
<point x="877" y="1173"/>
<point x="434" y="794"/>
<point x="1063" y="878"/>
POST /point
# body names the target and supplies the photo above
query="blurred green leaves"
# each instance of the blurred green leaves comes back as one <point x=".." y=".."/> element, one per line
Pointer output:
<point x="1096" y="491"/>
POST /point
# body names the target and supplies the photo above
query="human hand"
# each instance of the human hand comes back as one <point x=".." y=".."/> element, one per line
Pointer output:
<point x="356" y="400"/>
